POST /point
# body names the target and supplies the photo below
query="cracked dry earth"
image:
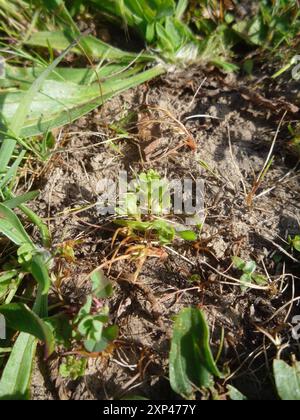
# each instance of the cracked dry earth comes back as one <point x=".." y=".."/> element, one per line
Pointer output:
<point x="228" y="152"/>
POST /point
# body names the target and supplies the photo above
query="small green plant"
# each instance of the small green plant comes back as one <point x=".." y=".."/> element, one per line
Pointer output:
<point x="146" y="207"/>
<point x="90" y="327"/>
<point x="159" y="23"/>
<point x="90" y="323"/>
<point x="73" y="368"/>
<point x="295" y="242"/>
<point x="273" y="26"/>
<point x="249" y="272"/>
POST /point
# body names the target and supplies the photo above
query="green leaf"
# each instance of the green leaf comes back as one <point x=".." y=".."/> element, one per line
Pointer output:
<point x="61" y="329"/>
<point x="96" y="48"/>
<point x="102" y="287"/>
<point x="7" y="276"/>
<point x="12" y="171"/>
<point x="7" y="280"/>
<point x="23" y="77"/>
<point x="247" y="279"/>
<point x="21" y="110"/>
<point x="166" y="232"/>
<point x="187" y="235"/>
<point x="85" y="310"/>
<point x="91" y="326"/>
<point x="254" y="31"/>
<point x="260" y="279"/>
<point x="191" y="361"/>
<point x="287" y="379"/>
<point x="181" y="8"/>
<point x="238" y="263"/>
<point x="109" y="334"/>
<point x="61" y="102"/>
<point x="21" y="199"/>
<point x="15" y="380"/>
<point x="20" y="318"/>
<point x="295" y="243"/>
<point x="250" y="267"/>
<point x="235" y="394"/>
<point x="12" y="228"/>
<point x="40" y="273"/>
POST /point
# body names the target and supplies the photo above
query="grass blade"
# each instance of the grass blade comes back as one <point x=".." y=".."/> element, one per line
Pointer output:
<point x="15" y="380"/>
<point x="23" y="105"/>
<point x="96" y="48"/>
<point x="18" y="201"/>
<point x="68" y="101"/>
<point x="20" y="318"/>
<point x="12" y="228"/>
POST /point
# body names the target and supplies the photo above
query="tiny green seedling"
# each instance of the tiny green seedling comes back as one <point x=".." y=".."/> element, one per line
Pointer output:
<point x="145" y="208"/>
<point x="73" y="368"/>
<point x="295" y="243"/>
<point x="249" y="272"/>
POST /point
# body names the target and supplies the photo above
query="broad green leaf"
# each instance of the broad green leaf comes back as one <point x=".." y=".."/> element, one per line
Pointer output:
<point x="91" y="327"/>
<point x="23" y="77"/>
<point x="85" y="310"/>
<point x="191" y="361"/>
<point x="20" y="318"/>
<point x="235" y="394"/>
<point x="15" y="380"/>
<point x="61" y="329"/>
<point x="96" y="48"/>
<point x="12" y="228"/>
<point x="109" y="334"/>
<point x="287" y="379"/>
<point x="59" y="103"/>
<point x="20" y="112"/>
<point x="102" y="287"/>
<point x="247" y="279"/>
<point x="253" y="32"/>
<point x="181" y="8"/>
<point x="250" y="267"/>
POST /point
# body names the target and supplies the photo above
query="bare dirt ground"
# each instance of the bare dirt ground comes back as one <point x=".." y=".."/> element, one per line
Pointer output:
<point x="228" y="153"/>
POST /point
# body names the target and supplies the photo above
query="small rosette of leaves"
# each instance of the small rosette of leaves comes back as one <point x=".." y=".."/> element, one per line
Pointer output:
<point x="249" y="273"/>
